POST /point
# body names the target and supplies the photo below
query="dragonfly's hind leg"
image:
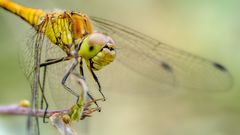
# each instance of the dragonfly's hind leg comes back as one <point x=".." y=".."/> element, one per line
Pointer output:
<point x="43" y="97"/>
<point x="89" y="95"/>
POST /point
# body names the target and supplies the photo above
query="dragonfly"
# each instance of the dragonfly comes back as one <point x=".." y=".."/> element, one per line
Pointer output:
<point x="65" y="41"/>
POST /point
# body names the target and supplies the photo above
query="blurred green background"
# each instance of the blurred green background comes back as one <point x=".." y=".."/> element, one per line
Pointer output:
<point x="207" y="28"/>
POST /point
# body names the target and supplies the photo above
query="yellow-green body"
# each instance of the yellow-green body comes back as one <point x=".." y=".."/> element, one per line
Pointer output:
<point x="73" y="33"/>
<point x="65" y="29"/>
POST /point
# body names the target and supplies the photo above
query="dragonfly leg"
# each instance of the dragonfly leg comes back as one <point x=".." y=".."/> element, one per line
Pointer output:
<point x="89" y="95"/>
<point x="54" y="61"/>
<point x="43" y="98"/>
<point x="98" y="83"/>
<point x="95" y="101"/>
<point x="42" y="87"/>
<point x="66" y="77"/>
<point x="81" y="68"/>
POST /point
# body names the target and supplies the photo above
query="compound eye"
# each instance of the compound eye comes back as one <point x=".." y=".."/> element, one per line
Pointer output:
<point x="93" y="44"/>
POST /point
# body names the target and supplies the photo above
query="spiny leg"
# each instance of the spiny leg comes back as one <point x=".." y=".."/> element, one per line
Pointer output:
<point x="73" y="66"/>
<point x="82" y="74"/>
<point x="81" y="68"/>
<point x="97" y="81"/>
<point x="54" y="61"/>
<point x="43" y="97"/>
<point x="42" y="86"/>
<point x="95" y="101"/>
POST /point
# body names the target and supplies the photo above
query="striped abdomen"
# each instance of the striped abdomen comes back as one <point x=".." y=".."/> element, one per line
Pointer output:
<point x="30" y="15"/>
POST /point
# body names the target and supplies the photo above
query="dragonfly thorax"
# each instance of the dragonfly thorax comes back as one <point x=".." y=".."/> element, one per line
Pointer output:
<point x="98" y="50"/>
<point x="64" y="28"/>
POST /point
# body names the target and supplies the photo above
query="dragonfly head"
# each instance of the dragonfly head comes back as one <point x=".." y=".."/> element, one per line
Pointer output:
<point x="98" y="48"/>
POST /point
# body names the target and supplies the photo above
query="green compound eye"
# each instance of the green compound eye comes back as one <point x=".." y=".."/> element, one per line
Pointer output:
<point x="93" y="44"/>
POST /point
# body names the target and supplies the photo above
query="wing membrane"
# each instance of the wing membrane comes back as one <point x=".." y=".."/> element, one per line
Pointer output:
<point x="31" y="60"/>
<point x="164" y="63"/>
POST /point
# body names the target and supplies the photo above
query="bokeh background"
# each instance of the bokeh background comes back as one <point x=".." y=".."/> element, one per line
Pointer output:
<point x="206" y="28"/>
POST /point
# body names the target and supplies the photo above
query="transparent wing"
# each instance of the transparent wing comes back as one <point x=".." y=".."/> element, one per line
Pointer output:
<point x="26" y="56"/>
<point x="54" y="74"/>
<point x="30" y="60"/>
<point x="46" y="50"/>
<point x="162" y="63"/>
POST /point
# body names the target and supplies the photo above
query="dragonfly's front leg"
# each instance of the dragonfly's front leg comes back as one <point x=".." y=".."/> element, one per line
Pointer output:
<point x="54" y="61"/>
<point x="89" y="95"/>
<point x="97" y="81"/>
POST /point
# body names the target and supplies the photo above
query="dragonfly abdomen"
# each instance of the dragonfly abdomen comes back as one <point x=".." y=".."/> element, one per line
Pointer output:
<point x="30" y="15"/>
